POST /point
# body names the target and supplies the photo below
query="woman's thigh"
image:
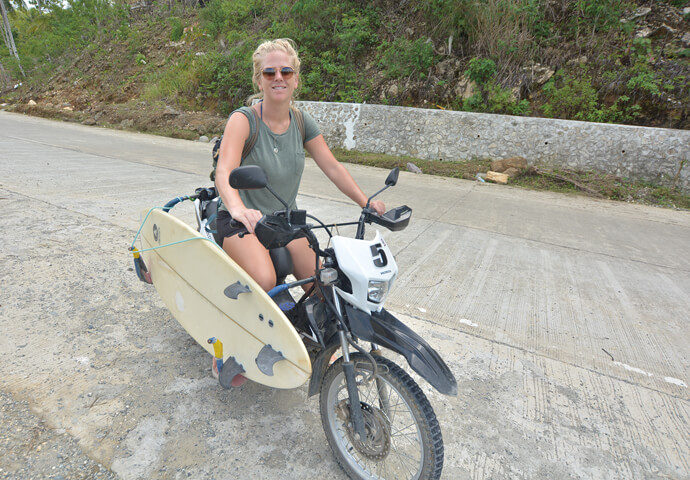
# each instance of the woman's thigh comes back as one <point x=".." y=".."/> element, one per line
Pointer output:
<point x="303" y="258"/>
<point x="253" y="258"/>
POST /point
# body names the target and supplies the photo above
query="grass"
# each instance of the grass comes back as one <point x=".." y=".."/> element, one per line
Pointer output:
<point x="466" y="170"/>
<point x="590" y="183"/>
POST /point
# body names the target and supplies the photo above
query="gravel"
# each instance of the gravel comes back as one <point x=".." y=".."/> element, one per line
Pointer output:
<point x="30" y="449"/>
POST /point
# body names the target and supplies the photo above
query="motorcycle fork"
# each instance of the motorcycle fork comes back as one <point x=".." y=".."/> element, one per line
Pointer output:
<point x="349" y="370"/>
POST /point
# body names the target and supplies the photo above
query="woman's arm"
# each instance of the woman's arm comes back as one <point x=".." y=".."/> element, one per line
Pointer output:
<point x="236" y="133"/>
<point x="334" y="170"/>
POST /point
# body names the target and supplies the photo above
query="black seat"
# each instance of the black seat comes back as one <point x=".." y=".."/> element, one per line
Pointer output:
<point x="282" y="262"/>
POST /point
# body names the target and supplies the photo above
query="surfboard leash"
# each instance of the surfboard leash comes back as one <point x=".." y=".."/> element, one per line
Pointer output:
<point x="139" y="265"/>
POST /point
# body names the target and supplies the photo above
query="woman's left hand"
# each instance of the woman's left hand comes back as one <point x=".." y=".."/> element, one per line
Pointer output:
<point x="379" y="206"/>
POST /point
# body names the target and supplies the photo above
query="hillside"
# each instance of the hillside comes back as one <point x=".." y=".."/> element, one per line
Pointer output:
<point x="177" y="70"/>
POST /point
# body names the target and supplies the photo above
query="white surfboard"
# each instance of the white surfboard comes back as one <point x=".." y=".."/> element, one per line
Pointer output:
<point x="211" y="296"/>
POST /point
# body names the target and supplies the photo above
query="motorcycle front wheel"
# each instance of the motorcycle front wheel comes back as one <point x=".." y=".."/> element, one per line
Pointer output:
<point x="403" y="438"/>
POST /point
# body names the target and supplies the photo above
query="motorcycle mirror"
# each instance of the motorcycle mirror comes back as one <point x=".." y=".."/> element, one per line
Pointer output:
<point x="248" y="177"/>
<point x="392" y="177"/>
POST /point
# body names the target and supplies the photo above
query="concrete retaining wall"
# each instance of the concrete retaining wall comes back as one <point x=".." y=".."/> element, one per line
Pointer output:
<point x="654" y="154"/>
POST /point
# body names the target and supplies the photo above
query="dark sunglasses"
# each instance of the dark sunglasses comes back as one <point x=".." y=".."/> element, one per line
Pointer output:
<point x="285" y="72"/>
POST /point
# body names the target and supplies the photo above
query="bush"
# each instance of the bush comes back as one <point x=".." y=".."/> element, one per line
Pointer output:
<point x="569" y="97"/>
<point x="406" y="58"/>
<point x="176" y="29"/>
<point x="575" y="98"/>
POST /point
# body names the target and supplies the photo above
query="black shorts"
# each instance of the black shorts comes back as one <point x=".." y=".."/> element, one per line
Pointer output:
<point x="223" y="227"/>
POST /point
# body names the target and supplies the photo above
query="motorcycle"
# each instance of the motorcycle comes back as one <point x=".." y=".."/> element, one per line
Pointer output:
<point x="378" y="421"/>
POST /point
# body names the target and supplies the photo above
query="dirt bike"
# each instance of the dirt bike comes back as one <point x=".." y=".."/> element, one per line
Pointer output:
<point x="378" y="422"/>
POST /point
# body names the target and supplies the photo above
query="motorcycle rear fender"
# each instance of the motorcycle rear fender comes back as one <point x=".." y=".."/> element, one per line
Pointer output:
<point x="384" y="329"/>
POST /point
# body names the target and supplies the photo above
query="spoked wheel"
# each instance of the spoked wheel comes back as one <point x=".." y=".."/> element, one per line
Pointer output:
<point x="403" y="439"/>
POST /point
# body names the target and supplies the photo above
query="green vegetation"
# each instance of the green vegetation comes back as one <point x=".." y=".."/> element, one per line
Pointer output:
<point x="378" y="52"/>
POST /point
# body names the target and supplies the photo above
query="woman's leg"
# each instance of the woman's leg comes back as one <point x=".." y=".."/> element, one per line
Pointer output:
<point x="303" y="258"/>
<point x="253" y="258"/>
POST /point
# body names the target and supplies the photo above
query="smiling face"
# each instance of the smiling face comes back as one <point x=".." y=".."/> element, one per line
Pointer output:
<point x="277" y="88"/>
<point x="276" y="54"/>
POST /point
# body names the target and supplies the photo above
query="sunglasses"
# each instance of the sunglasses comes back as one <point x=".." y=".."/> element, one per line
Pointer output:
<point x="285" y="72"/>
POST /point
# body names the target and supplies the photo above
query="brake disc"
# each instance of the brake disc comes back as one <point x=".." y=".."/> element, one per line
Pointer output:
<point x="377" y="442"/>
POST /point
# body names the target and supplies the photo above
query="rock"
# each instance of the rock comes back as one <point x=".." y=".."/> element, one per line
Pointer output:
<point x="447" y="68"/>
<point x="640" y="12"/>
<point x="89" y="121"/>
<point x="686" y="39"/>
<point x="686" y="11"/>
<point x="31" y="102"/>
<point x="512" y="172"/>
<point x="497" y="177"/>
<point x="203" y="139"/>
<point x="127" y="123"/>
<point x="49" y="105"/>
<point x="644" y="33"/>
<point x="581" y="60"/>
<point x="464" y="88"/>
<point x="69" y="108"/>
<point x="664" y="31"/>
<point x="541" y="73"/>
<point x="170" y="111"/>
<point x="517" y="163"/>
<point x="411" y="167"/>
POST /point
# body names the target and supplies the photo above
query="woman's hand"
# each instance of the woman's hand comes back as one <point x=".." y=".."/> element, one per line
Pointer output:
<point x="379" y="206"/>
<point x="247" y="216"/>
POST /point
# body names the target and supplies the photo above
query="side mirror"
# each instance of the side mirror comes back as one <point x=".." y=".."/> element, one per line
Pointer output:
<point x="392" y="177"/>
<point x="248" y="177"/>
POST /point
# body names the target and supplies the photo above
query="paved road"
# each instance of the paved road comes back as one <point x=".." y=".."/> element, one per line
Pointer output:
<point x="564" y="319"/>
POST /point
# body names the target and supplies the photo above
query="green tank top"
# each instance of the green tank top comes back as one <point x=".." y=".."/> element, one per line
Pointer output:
<point x="282" y="157"/>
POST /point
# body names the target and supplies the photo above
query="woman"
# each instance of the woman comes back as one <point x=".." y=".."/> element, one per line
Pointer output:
<point x="280" y="151"/>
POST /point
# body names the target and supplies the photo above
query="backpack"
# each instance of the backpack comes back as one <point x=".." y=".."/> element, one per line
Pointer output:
<point x="251" y="141"/>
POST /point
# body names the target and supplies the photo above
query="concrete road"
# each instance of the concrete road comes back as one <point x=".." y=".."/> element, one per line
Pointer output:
<point x="564" y="319"/>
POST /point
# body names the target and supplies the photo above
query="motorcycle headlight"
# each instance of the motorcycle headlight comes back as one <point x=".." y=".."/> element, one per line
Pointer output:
<point x="377" y="290"/>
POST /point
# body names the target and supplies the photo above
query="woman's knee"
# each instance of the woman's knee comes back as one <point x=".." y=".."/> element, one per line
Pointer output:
<point x="266" y="278"/>
<point x="253" y="259"/>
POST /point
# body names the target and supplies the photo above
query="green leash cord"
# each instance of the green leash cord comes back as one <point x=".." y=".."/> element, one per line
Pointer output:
<point x="139" y="265"/>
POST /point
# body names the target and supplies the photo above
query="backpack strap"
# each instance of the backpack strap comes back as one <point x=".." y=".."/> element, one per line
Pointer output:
<point x="299" y="118"/>
<point x="248" y="144"/>
<point x="253" y="137"/>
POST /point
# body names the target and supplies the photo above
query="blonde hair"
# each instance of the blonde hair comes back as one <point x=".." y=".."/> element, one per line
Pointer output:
<point x="279" y="45"/>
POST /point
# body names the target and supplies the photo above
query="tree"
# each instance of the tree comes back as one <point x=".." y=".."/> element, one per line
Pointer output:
<point x="7" y="35"/>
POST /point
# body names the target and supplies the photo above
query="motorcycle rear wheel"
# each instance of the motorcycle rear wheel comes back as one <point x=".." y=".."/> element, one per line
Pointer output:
<point x="403" y="437"/>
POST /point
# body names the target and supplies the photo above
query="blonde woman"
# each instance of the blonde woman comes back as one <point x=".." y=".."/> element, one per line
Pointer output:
<point x="279" y="149"/>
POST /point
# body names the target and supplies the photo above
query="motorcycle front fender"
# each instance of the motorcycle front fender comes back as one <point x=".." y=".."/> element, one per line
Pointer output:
<point x="384" y="329"/>
<point x="320" y="365"/>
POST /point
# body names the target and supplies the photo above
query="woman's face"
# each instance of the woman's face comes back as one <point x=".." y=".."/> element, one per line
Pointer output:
<point x="277" y="88"/>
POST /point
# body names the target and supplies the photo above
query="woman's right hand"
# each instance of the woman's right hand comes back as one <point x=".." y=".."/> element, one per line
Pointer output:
<point x="247" y="216"/>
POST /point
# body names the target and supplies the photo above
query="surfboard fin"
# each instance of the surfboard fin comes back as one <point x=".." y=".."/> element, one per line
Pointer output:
<point x="233" y="291"/>
<point x="267" y="358"/>
<point x="140" y="267"/>
<point x="228" y="371"/>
